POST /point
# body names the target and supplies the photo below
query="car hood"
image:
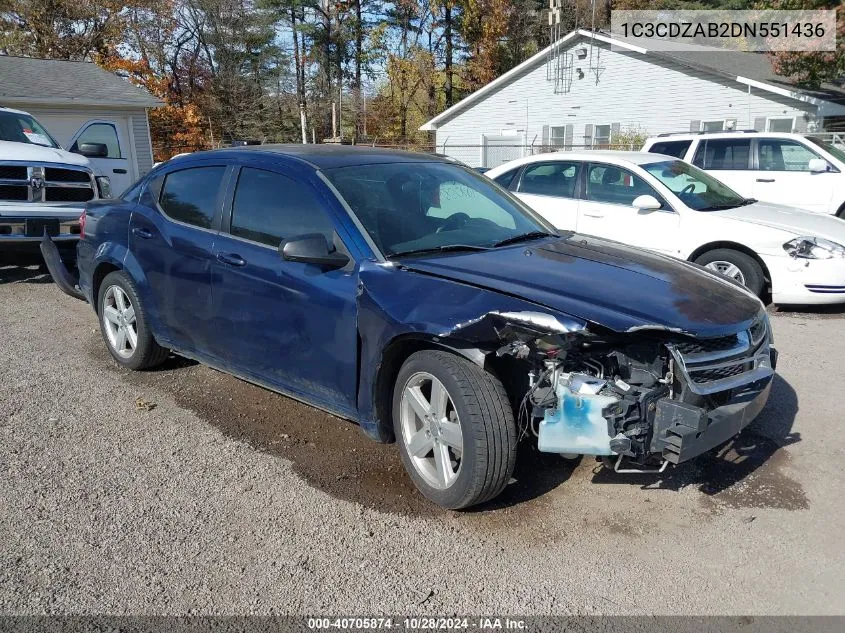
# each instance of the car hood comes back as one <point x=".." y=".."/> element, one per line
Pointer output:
<point x="790" y="219"/>
<point x="616" y="286"/>
<point x="27" y="152"/>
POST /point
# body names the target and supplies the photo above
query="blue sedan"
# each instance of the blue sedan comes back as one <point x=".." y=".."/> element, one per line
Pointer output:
<point x="414" y="296"/>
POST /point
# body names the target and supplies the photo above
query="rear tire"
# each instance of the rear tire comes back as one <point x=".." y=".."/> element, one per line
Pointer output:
<point x="476" y="407"/>
<point x="736" y="265"/>
<point x="124" y="325"/>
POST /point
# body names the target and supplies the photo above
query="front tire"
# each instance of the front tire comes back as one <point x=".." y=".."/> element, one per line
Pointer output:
<point x="737" y="265"/>
<point x="455" y="429"/>
<point x="124" y="326"/>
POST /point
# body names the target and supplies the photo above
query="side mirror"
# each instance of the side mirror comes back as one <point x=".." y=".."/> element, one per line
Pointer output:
<point x="312" y="248"/>
<point x="817" y="165"/>
<point x="93" y="150"/>
<point x="646" y="203"/>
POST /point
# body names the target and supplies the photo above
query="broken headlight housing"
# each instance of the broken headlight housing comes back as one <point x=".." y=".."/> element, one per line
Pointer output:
<point x="813" y="248"/>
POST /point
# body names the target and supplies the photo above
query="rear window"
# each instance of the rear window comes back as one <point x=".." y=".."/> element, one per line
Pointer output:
<point x="671" y="148"/>
<point x="725" y="153"/>
<point x="190" y="195"/>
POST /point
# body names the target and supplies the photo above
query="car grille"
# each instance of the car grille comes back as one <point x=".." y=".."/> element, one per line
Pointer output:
<point x="709" y="366"/>
<point x="39" y="184"/>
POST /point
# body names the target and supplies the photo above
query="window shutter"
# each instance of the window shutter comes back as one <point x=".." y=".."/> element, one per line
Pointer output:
<point x="588" y="135"/>
<point x="567" y="135"/>
<point x="800" y="124"/>
<point x="695" y="126"/>
<point x="614" y="132"/>
<point x="545" y="136"/>
<point x="760" y="124"/>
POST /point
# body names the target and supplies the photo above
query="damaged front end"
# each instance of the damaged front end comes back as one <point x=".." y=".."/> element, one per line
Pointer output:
<point x="639" y="399"/>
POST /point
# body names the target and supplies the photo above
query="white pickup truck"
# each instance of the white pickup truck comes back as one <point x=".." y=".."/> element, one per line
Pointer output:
<point x="43" y="189"/>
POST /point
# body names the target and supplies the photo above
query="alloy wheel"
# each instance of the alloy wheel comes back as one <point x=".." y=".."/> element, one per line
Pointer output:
<point x="431" y="430"/>
<point x="120" y="322"/>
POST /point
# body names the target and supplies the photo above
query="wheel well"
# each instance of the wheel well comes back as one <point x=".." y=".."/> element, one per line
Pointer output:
<point x="398" y="352"/>
<point x="712" y="246"/>
<point x="841" y="212"/>
<point x="100" y="273"/>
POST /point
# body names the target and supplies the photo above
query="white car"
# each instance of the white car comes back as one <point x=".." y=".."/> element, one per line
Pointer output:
<point x="666" y="205"/>
<point x="792" y="169"/>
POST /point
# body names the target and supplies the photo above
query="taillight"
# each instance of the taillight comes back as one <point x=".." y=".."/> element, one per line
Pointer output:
<point x="82" y="225"/>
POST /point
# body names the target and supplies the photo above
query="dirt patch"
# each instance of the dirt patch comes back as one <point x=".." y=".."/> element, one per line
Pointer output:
<point x="755" y="468"/>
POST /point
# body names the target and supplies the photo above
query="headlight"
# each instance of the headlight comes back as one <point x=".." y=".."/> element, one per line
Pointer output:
<point x="104" y="185"/>
<point x="814" y="248"/>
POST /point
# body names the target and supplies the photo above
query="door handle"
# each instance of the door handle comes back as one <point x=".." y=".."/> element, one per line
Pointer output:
<point x="594" y="215"/>
<point x="231" y="259"/>
<point x="144" y="234"/>
<point x="765" y="180"/>
<point x="118" y="171"/>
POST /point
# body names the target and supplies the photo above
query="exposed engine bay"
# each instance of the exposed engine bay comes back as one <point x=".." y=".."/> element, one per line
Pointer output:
<point x="648" y="397"/>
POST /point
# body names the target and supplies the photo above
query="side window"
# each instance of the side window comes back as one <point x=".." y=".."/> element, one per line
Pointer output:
<point x="726" y="153"/>
<point x="550" y="179"/>
<point x="269" y="208"/>
<point x="505" y="180"/>
<point x="671" y="148"/>
<point x="104" y="133"/>
<point x="190" y="195"/>
<point x="613" y="185"/>
<point x="783" y="155"/>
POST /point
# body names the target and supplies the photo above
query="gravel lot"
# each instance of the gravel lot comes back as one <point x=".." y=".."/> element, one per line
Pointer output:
<point x="186" y="491"/>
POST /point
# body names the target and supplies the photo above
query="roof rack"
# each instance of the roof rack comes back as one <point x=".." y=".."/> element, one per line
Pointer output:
<point x="703" y="133"/>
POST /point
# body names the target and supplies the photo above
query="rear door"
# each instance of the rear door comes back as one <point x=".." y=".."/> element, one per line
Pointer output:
<point x="115" y="164"/>
<point x="171" y="235"/>
<point x="550" y="189"/>
<point x="290" y="324"/>
<point x="606" y="210"/>
<point x="729" y="160"/>
<point x="783" y="176"/>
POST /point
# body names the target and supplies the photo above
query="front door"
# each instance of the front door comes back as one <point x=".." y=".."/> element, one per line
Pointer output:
<point x="171" y="236"/>
<point x="290" y="325"/>
<point x="607" y="210"/>
<point x="549" y="188"/>
<point x="783" y="176"/>
<point x="115" y="163"/>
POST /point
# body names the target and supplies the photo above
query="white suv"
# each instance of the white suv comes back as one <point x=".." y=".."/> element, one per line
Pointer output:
<point x="791" y="169"/>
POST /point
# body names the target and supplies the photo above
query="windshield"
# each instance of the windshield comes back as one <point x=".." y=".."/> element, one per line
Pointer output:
<point x="830" y="149"/>
<point x="696" y="189"/>
<point x="428" y="206"/>
<point x="22" y="128"/>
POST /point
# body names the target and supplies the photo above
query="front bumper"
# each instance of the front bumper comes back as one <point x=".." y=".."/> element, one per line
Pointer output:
<point x="21" y="231"/>
<point x="806" y="281"/>
<point x="682" y="431"/>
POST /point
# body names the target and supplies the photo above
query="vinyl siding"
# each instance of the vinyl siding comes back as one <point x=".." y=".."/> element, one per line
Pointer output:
<point x="143" y="144"/>
<point x="631" y="93"/>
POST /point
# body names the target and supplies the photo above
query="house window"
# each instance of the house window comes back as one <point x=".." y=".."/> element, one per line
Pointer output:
<point x="601" y="137"/>
<point x="780" y="125"/>
<point x="712" y="126"/>
<point x="557" y="136"/>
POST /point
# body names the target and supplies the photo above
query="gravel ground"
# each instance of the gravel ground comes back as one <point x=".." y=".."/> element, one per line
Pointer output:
<point x="187" y="491"/>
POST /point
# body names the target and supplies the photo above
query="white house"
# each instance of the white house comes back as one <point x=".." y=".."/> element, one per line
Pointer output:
<point x="80" y="102"/>
<point x="589" y="88"/>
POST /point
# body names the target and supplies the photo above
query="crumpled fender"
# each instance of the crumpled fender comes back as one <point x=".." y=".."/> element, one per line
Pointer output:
<point x="395" y="304"/>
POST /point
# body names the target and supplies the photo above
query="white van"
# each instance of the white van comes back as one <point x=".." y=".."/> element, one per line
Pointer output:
<point x="790" y="169"/>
